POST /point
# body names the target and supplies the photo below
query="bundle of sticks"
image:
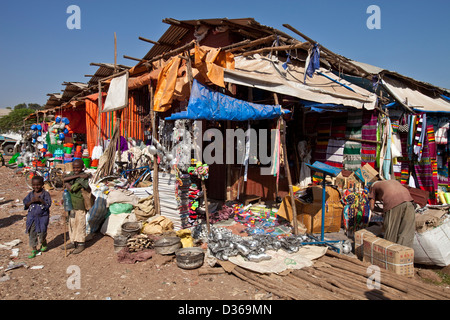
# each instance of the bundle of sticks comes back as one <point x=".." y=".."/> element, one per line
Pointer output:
<point x="338" y="277"/>
<point x="139" y="242"/>
<point x="106" y="161"/>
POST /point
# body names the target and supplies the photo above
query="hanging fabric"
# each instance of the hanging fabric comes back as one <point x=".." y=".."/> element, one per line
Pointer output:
<point x="369" y="132"/>
<point x="419" y="137"/>
<point x="247" y="151"/>
<point x="305" y="158"/>
<point x="312" y="62"/>
<point x="275" y="169"/>
<point x="352" y="149"/>
<point x="387" y="162"/>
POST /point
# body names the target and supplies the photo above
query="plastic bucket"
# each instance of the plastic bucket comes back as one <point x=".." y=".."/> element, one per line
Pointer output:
<point x="94" y="163"/>
<point x="67" y="150"/>
<point x="87" y="162"/>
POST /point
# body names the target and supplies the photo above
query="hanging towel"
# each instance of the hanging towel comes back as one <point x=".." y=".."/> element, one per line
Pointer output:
<point x="352" y="149"/>
<point x="305" y="158"/>
<point x="420" y="134"/>
<point x="335" y="153"/>
<point x="424" y="175"/>
<point x="369" y="132"/>
<point x="387" y="160"/>
<point x="441" y="132"/>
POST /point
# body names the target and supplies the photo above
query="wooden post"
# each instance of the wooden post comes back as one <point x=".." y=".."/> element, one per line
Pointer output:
<point x="115" y="53"/>
<point x="228" y="191"/>
<point x="205" y="198"/>
<point x="100" y="107"/>
<point x="287" y="170"/>
<point x="155" y="162"/>
<point x="189" y="70"/>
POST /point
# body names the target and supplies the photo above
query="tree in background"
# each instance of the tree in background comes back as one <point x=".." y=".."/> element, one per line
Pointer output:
<point x="14" y="121"/>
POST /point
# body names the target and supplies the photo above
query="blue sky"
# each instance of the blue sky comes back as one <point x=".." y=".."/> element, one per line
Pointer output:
<point x="38" y="52"/>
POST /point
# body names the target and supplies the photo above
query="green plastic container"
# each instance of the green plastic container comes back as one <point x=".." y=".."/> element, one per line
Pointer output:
<point x="87" y="162"/>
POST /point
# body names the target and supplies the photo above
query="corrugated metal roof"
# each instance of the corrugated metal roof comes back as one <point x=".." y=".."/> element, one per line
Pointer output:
<point x="178" y="29"/>
<point x="54" y="100"/>
<point x="105" y="70"/>
<point x="72" y="89"/>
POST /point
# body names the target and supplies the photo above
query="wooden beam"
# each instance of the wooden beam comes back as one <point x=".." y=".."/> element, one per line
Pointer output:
<point x="178" y="23"/>
<point x="159" y="43"/>
<point x="174" y="52"/>
<point x="302" y="45"/>
<point x="247" y="43"/>
<point x="339" y="57"/>
<point x="115" y="53"/>
<point x="135" y="59"/>
<point x="148" y="40"/>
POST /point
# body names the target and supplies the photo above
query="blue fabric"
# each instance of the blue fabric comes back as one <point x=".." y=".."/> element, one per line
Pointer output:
<point x="325" y="107"/>
<point x="38" y="213"/>
<point x="205" y="104"/>
<point x="314" y="62"/>
<point x="96" y="215"/>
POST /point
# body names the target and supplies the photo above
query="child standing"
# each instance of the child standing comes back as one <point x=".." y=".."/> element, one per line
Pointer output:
<point x="38" y="203"/>
<point x="75" y="184"/>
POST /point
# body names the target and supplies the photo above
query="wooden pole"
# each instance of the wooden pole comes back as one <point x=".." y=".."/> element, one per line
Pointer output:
<point x="115" y="53"/>
<point x="155" y="161"/>
<point x="100" y="107"/>
<point x="205" y="198"/>
<point x="287" y="170"/>
<point x="65" y="231"/>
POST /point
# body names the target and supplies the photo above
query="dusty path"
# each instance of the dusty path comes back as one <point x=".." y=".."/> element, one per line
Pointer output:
<point x="101" y="276"/>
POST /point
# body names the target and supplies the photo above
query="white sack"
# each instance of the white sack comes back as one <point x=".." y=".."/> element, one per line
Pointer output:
<point x="432" y="247"/>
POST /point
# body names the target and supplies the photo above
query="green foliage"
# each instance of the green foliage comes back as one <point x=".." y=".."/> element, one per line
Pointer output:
<point x="21" y="106"/>
<point x="32" y="106"/>
<point x="14" y="120"/>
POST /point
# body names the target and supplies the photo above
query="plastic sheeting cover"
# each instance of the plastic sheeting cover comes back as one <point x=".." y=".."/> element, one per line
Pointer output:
<point x="205" y="104"/>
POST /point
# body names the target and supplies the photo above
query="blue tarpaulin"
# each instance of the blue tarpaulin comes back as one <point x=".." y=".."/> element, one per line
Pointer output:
<point x="206" y="104"/>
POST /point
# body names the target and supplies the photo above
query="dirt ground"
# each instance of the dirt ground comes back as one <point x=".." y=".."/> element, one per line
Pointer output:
<point x="101" y="276"/>
<point x="52" y="276"/>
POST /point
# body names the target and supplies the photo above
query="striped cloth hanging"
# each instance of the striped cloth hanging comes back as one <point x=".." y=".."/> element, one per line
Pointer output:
<point x="369" y="132"/>
<point x="352" y="149"/>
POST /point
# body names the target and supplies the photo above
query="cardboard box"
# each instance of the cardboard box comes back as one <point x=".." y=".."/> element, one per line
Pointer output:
<point x="65" y="167"/>
<point x="390" y="256"/>
<point x="68" y="167"/>
<point x="369" y="174"/>
<point x="331" y="194"/>
<point x="310" y="215"/>
<point x="369" y="232"/>
<point x="340" y="182"/>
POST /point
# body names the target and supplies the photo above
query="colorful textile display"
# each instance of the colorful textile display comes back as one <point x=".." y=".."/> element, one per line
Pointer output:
<point x="323" y="134"/>
<point x="352" y="149"/>
<point x="426" y="171"/>
<point x="335" y="153"/>
<point x="356" y="213"/>
<point x="420" y="134"/>
<point x="369" y="132"/>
